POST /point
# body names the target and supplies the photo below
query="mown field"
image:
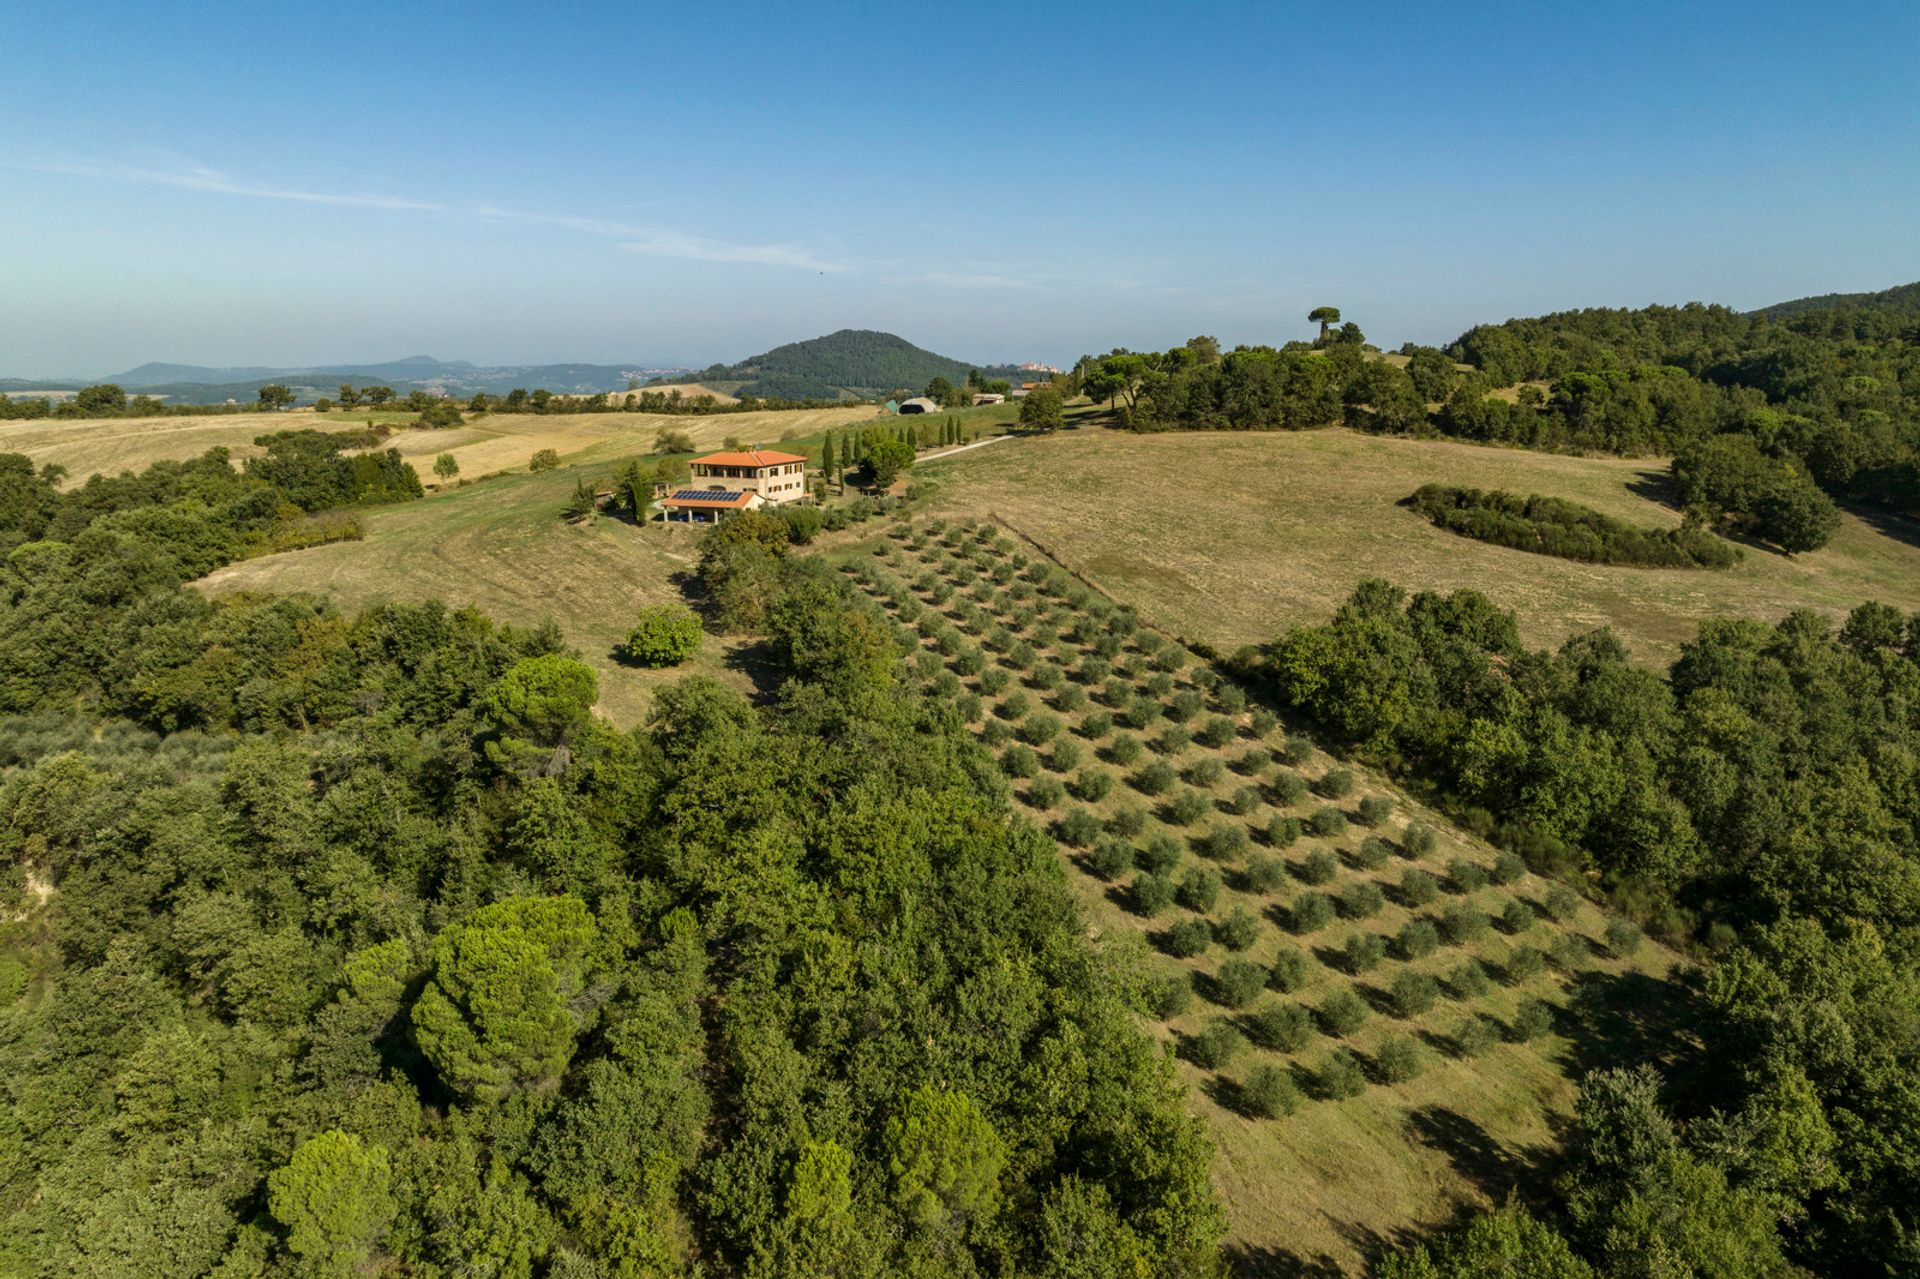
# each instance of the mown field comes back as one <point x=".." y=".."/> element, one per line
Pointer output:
<point x="484" y="445"/>
<point x="502" y="546"/>
<point x="1227" y="538"/>
<point x="1380" y="1019"/>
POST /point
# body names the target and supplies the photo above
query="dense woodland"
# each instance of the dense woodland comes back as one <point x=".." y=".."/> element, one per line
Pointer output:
<point x="1771" y="418"/>
<point x="1760" y="800"/>
<point x="341" y="943"/>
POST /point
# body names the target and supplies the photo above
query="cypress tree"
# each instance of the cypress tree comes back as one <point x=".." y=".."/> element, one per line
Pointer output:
<point x="826" y="456"/>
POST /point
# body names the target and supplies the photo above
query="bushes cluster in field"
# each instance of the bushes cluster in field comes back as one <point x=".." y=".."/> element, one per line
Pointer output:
<point x="1554" y="526"/>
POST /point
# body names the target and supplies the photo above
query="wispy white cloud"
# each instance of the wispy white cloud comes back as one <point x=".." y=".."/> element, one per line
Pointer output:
<point x="652" y="241"/>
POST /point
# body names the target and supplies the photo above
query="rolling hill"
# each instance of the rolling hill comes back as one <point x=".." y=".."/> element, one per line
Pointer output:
<point x="1902" y="297"/>
<point x="849" y="364"/>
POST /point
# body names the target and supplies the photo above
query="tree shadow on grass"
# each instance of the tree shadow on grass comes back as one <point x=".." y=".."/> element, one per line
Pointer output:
<point x="1255" y="1261"/>
<point x="1893" y="524"/>
<point x="1498" y="1171"/>
<point x="1631" y="1019"/>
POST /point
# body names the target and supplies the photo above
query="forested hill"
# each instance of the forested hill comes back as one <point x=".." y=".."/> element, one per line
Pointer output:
<point x="852" y="362"/>
<point x="1902" y="297"/>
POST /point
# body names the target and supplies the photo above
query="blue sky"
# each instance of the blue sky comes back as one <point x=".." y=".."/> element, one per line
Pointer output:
<point x="257" y="184"/>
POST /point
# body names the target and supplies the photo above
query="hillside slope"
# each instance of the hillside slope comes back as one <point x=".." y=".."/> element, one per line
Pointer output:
<point x="1902" y="297"/>
<point x="854" y="363"/>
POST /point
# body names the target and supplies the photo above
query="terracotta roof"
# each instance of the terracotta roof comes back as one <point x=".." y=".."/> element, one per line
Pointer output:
<point x="754" y="457"/>
<point x="709" y="499"/>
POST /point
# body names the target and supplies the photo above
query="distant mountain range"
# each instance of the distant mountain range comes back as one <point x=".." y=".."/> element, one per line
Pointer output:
<point x="849" y="364"/>
<point x="200" y="384"/>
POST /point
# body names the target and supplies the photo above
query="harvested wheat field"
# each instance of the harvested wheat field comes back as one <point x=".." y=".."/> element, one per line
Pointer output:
<point x="89" y="446"/>
<point x="1227" y="538"/>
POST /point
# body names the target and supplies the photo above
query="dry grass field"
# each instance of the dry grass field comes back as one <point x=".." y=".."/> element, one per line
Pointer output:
<point x="1227" y="538"/>
<point x="503" y="547"/>
<point x="483" y="446"/>
<point x="1321" y="1189"/>
<point x="89" y="446"/>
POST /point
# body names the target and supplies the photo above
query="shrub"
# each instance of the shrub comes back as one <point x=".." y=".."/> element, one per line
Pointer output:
<point x="1555" y="526"/>
<point x="1289" y="969"/>
<point x="1113" y="858"/>
<point x="1398" y="1059"/>
<point x="1188" y="807"/>
<point x="1361" y="900"/>
<point x="1065" y="755"/>
<point x="1046" y="793"/>
<point x="1269" y="1092"/>
<point x="1151" y="894"/>
<point x="1200" y="890"/>
<point x="1561" y="902"/>
<point x="1569" y="950"/>
<point x="1170" y="658"/>
<point x="1244" y="801"/>
<point x="1045" y="677"/>
<point x="1296" y="751"/>
<point x="1417" y="839"/>
<point x="1373" y="810"/>
<point x="1217" y="731"/>
<point x="1160" y="854"/>
<point x="1530" y="1021"/>
<point x="1363" y="952"/>
<point x="1464" y="876"/>
<point x="1474" y="1036"/>
<point x="1328" y="823"/>
<point x="1416" y="939"/>
<point x="1335" y="783"/>
<point x="1218" y="1044"/>
<point x="1185" y="704"/>
<point x="1118" y="693"/>
<point x="1071" y="698"/>
<point x="1418" y="888"/>
<point x="1125" y="749"/>
<point x="1287" y="789"/>
<point x="1092" y="670"/>
<point x="1079" y="828"/>
<point x="1281" y="1026"/>
<point x="1469" y="980"/>
<point x="1019" y="761"/>
<point x="1310" y="913"/>
<point x="544" y="460"/>
<point x="995" y="732"/>
<point x="1155" y="779"/>
<point x="1343" y="1012"/>
<point x="1623" y="936"/>
<point x="1143" y="712"/>
<point x="1039" y="729"/>
<point x="1374" y="853"/>
<point x="1172" y="740"/>
<point x="1092" y="784"/>
<point x="1318" y="867"/>
<point x="1283" y="831"/>
<point x="1239" y="982"/>
<point x="993" y="680"/>
<point x="1225" y="843"/>
<point x="1096" y="726"/>
<point x="1021" y="655"/>
<point x="1128" y="819"/>
<point x="1516" y="917"/>
<point x="1265" y="874"/>
<point x="1263" y="722"/>
<point x="1253" y="761"/>
<point x="1167" y="996"/>
<point x="1016" y="706"/>
<point x="1239" y="930"/>
<point x="1188" y="938"/>
<point x="971" y="707"/>
<point x="1507" y="868"/>
<point x="1340" y="1076"/>
<point x="1461" y="923"/>
<point x="662" y="635"/>
<point x="1230" y="698"/>
<point x="1524" y="964"/>
<point x="1413" y="993"/>
<point x="1205" y="772"/>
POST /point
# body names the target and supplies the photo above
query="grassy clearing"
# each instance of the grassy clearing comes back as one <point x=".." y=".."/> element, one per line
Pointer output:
<point x="1320" y="1187"/>
<point x="503" y="547"/>
<point x="1227" y="538"/>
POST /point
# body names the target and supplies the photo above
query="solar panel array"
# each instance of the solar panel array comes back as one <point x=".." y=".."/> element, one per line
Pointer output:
<point x="704" y="495"/>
